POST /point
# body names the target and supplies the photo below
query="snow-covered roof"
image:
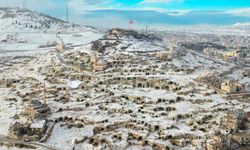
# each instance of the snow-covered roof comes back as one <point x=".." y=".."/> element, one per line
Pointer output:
<point x="38" y="125"/>
<point x="101" y="62"/>
<point x="73" y="84"/>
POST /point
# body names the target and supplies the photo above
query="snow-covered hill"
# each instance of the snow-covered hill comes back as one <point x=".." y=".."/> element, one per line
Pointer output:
<point x="25" y="31"/>
<point x="23" y="20"/>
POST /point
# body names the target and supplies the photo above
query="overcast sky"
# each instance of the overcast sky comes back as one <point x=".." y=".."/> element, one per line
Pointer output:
<point x="117" y="12"/>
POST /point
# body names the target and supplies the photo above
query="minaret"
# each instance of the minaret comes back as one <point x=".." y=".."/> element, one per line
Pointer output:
<point x="240" y="52"/>
<point x="171" y="48"/>
<point x="95" y="60"/>
<point x="67" y="95"/>
<point x="44" y="94"/>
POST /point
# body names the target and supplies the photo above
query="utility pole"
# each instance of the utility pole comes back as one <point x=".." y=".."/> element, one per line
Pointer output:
<point x="24" y="4"/>
<point x="146" y="29"/>
<point x="67" y="10"/>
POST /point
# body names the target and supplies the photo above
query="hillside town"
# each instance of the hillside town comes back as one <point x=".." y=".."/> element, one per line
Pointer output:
<point x="81" y="88"/>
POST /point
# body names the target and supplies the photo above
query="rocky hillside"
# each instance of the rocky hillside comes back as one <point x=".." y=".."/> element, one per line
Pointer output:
<point x="128" y="40"/>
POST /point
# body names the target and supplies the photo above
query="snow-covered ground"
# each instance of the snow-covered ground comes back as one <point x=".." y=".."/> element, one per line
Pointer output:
<point x="21" y="57"/>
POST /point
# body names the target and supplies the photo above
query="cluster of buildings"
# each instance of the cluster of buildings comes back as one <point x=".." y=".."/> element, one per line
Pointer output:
<point x="36" y="124"/>
<point x="127" y="99"/>
<point x="227" y="86"/>
<point x="228" y="55"/>
<point x="32" y="122"/>
<point x="233" y="132"/>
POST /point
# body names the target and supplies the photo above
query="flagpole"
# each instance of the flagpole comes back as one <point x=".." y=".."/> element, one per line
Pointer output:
<point x="129" y="25"/>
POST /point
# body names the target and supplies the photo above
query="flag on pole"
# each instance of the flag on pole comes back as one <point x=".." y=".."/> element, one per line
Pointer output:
<point x="130" y="22"/>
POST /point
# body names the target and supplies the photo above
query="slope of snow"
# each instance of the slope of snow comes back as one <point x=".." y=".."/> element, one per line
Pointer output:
<point x="21" y="20"/>
<point x="25" y="32"/>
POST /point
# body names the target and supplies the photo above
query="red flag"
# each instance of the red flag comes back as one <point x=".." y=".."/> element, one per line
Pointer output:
<point x="130" y="22"/>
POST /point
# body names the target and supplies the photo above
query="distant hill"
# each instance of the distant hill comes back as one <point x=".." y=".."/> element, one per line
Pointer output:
<point x="23" y="20"/>
<point x="151" y="17"/>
